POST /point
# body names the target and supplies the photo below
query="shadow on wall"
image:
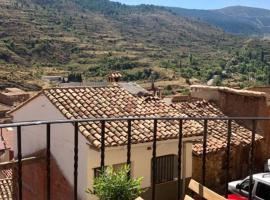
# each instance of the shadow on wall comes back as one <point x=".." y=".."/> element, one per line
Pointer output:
<point x="34" y="181"/>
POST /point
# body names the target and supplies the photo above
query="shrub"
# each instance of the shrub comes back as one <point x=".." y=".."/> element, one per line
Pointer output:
<point x="116" y="185"/>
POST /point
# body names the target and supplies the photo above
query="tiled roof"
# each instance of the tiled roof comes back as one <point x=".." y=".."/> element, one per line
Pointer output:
<point x="6" y="184"/>
<point x="6" y="189"/>
<point x="114" y="101"/>
<point x="115" y="75"/>
<point x="7" y="173"/>
<point x="217" y="130"/>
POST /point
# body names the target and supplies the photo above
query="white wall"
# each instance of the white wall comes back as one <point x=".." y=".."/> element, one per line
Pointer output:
<point x="62" y="139"/>
<point x="140" y="159"/>
<point x="205" y="92"/>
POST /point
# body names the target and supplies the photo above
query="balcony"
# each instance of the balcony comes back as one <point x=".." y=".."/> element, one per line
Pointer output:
<point x="154" y="191"/>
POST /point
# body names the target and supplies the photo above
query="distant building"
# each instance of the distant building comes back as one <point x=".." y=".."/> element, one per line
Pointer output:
<point x="13" y="96"/>
<point x="134" y="88"/>
<point x="85" y="83"/>
<point x="3" y="113"/>
<point x="114" y="77"/>
<point x="55" y="79"/>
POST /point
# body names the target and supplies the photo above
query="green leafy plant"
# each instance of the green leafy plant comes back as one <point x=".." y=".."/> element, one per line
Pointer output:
<point x="116" y="185"/>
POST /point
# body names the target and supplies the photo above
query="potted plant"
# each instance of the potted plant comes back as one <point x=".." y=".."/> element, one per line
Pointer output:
<point x="116" y="185"/>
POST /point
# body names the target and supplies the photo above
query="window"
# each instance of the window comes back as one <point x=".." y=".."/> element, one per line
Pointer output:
<point x="166" y="168"/>
<point x="263" y="191"/>
<point x="245" y="185"/>
<point x="116" y="167"/>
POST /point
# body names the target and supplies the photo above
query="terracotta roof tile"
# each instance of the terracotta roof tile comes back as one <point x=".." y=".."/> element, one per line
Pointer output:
<point x="217" y="130"/>
<point x="6" y="189"/>
<point x="6" y="185"/>
<point x="114" y="101"/>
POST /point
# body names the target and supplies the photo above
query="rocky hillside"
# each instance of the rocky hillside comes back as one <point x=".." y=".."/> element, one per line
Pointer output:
<point x="235" y="19"/>
<point x="94" y="37"/>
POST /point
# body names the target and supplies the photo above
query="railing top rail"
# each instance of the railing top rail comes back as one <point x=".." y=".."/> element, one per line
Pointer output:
<point x="44" y="122"/>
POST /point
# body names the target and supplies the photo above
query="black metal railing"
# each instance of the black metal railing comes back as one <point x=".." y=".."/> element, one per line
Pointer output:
<point x="129" y="121"/>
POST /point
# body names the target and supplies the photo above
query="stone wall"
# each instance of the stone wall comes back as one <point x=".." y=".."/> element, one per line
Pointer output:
<point x="13" y="99"/>
<point x="240" y="103"/>
<point x="34" y="182"/>
<point x="204" y="92"/>
<point x="265" y="89"/>
<point x="216" y="167"/>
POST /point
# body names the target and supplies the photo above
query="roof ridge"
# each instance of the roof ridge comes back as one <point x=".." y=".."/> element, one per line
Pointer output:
<point x="25" y="102"/>
<point x="79" y="87"/>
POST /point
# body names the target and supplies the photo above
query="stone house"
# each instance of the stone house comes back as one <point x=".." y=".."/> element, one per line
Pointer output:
<point x="106" y="102"/>
<point x="253" y="102"/>
<point x="216" y="145"/>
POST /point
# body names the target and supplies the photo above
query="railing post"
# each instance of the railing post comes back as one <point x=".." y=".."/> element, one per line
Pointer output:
<point x="179" y="194"/>
<point x="19" y="146"/>
<point x="129" y="147"/>
<point x="48" y="160"/>
<point x="228" y="151"/>
<point x="204" y="152"/>
<point x="251" y="158"/>
<point x="76" y="138"/>
<point x="154" y="161"/>
<point x="102" y="155"/>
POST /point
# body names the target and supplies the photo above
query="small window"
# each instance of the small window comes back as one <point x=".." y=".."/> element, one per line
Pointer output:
<point x="116" y="167"/>
<point x="263" y="191"/>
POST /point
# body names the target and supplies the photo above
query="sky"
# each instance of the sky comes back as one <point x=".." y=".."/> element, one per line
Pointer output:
<point x="201" y="4"/>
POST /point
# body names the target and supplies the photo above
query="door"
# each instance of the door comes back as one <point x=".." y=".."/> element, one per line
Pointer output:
<point x="166" y="168"/>
<point x="262" y="192"/>
<point x="244" y="188"/>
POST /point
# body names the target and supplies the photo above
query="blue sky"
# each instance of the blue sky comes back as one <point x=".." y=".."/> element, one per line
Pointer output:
<point x="201" y="4"/>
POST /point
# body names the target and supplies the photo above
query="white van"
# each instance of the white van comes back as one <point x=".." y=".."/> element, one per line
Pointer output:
<point x="260" y="187"/>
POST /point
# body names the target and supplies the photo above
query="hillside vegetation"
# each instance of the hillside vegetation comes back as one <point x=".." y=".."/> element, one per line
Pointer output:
<point x="94" y="37"/>
<point x="234" y="19"/>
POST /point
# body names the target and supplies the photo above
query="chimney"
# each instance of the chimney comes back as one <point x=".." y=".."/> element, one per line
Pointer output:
<point x="114" y="77"/>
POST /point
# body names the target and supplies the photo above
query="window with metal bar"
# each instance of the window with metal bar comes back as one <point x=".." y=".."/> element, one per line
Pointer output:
<point x="116" y="167"/>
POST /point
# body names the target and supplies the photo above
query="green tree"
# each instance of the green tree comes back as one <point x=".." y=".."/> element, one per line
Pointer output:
<point x="262" y="56"/>
<point x="116" y="185"/>
<point x="190" y="59"/>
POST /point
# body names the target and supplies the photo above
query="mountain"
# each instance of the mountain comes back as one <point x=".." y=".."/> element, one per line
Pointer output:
<point x="94" y="37"/>
<point x="82" y="32"/>
<point x="235" y="19"/>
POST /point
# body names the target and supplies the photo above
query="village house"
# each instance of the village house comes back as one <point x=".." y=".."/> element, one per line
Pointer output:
<point x="217" y="143"/>
<point x="106" y="102"/>
<point x="115" y="101"/>
<point x="6" y="155"/>
<point x="253" y="102"/>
